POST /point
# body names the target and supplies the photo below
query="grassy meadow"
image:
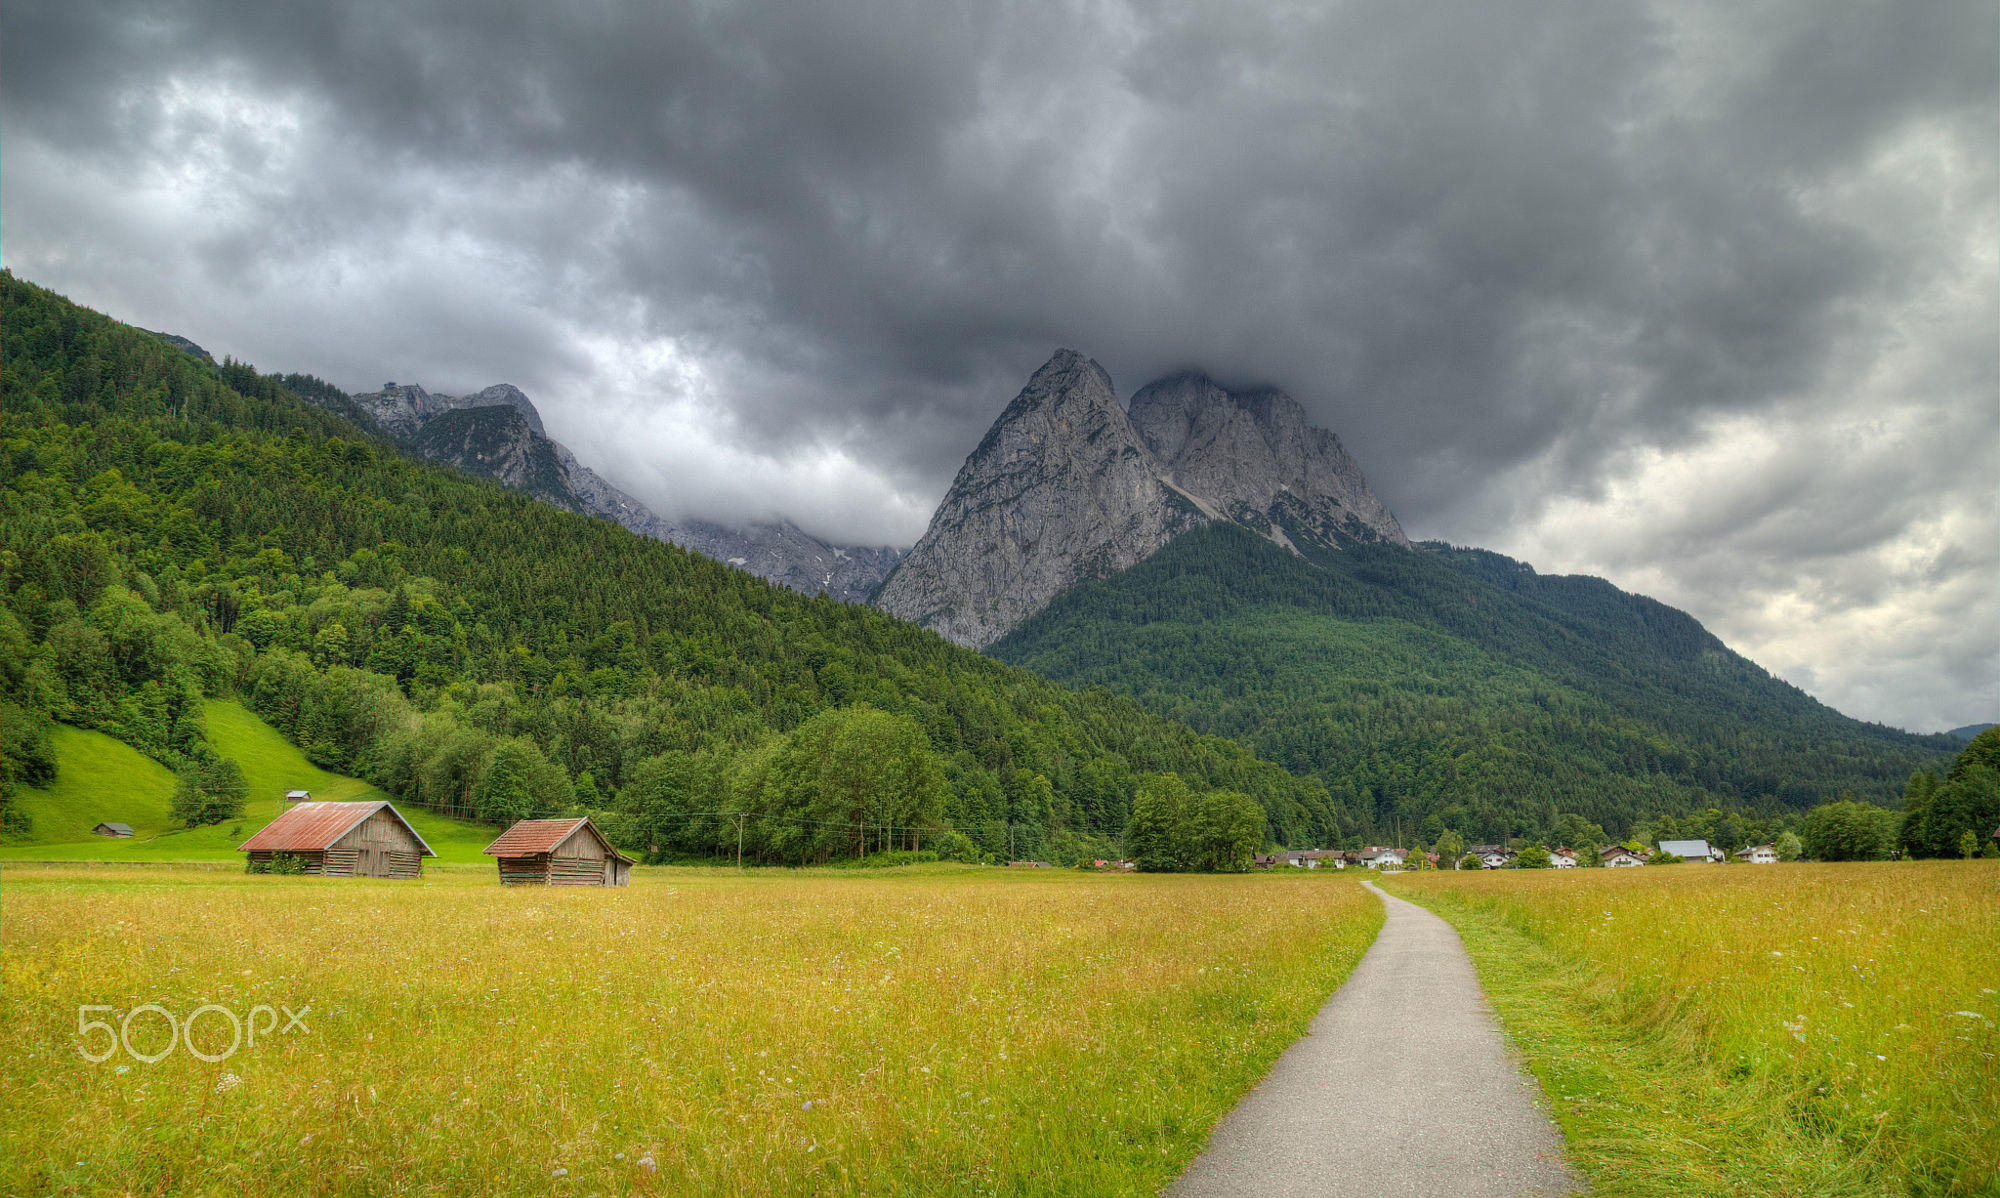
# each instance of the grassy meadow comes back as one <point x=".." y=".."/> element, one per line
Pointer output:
<point x="939" y="1031"/>
<point x="1777" y="1030"/>
<point x="102" y="779"/>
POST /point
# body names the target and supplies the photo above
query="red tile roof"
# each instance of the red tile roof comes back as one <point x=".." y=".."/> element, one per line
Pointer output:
<point x="532" y="836"/>
<point x="312" y="827"/>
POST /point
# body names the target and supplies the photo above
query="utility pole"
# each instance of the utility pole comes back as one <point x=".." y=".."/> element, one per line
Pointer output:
<point x="739" y="842"/>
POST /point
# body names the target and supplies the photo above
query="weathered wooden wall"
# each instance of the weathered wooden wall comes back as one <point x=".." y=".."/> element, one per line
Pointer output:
<point x="380" y="847"/>
<point x="524" y="871"/>
<point x="579" y="861"/>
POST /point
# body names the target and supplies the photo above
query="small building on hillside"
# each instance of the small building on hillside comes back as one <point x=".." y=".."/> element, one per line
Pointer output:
<point x="559" y="852"/>
<point x="344" y="840"/>
<point x="1758" y="854"/>
<point x="298" y="796"/>
<point x="117" y="831"/>
<point x="1693" y="850"/>
<point x="1617" y="856"/>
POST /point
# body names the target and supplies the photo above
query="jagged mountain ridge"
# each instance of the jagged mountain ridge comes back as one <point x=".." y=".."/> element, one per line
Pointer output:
<point x="1067" y="486"/>
<point x="497" y="433"/>
<point x="1256" y="457"/>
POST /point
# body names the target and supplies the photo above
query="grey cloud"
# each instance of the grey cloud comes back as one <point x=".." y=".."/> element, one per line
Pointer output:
<point x="1504" y="249"/>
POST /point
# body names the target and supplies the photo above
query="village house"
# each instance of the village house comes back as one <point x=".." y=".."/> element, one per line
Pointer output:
<point x="116" y="831"/>
<point x="1492" y="856"/>
<point x="345" y="840"/>
<point x="558" y="852"/>
<point x="1617" y="856"/>
<point x="1692" y="850"/>
<point x="1758" y="854"/>
<point x="1300" y="859"/>
<point x="1563" y="858"/>
<point x="1377" y="856"/>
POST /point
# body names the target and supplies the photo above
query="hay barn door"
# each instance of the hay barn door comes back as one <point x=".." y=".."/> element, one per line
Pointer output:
<point x="371" y="864"/>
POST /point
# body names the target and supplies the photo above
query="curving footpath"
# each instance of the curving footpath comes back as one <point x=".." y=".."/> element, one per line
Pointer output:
<point x="1403" y="1085"/>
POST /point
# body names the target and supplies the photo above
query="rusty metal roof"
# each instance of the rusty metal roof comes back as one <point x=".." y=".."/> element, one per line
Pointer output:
<point x="530" y="837"/>
<point x="313" y="827"/>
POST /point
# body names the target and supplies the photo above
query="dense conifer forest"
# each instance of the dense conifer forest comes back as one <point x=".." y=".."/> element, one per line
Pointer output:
<point x="1448" y="688"/>
<point x="171" y="529"/>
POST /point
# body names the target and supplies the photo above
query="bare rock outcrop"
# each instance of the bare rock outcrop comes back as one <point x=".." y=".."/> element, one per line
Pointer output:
<point x="1061" y="490"/>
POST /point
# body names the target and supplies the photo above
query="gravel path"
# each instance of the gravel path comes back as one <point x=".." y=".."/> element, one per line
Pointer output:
<point x="1403" y="1085"/>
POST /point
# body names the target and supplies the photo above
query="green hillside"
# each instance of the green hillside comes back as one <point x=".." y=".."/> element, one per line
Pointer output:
<point x="101" y="779"/>
<point x="1458" y="688"/>
<point x="173" y="531"/>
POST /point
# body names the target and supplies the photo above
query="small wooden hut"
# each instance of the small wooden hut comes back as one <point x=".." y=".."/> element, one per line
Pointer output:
<point x="345" y="840"/>
<point x="559" y="852"/>
<point x="120" y="831"/>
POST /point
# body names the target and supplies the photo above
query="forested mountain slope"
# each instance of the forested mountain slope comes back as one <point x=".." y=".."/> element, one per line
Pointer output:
<point x="171" y="530"/>
<point x="1459" y="684"/>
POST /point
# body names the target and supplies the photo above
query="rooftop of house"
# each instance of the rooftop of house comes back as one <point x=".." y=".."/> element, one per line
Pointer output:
<point x="312" y="827"/>
<point x="532" y="837"/>
<point x="1685" y="848"/>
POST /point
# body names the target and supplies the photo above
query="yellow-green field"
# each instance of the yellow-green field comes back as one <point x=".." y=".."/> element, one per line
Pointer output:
<point x="947" y="1031"/>
<point x="1787" y="1030"/>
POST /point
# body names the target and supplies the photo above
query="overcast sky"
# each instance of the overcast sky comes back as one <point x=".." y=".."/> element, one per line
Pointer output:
<point x="1700" y="297"/>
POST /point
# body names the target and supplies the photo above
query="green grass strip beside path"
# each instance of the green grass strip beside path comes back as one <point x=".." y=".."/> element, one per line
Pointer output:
<point x="1641" y="1114"/>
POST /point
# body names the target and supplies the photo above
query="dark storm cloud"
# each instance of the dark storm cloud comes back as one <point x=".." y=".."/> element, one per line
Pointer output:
<point x="1512" y="252"/>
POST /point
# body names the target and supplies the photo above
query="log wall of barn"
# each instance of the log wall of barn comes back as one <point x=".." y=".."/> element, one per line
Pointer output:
<point x="524" y="871"/>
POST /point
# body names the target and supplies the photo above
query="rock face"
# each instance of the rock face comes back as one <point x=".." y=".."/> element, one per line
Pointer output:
<point x="1067" y="487"/>
<point x="498" y="442"/>
<point x="1256" y="459"/>
<point x="1061" y="490"/>
<point x="497" y="433"/>
<point x="789" y="556"/>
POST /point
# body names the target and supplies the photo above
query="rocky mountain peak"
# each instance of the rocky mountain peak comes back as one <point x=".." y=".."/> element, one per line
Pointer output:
<point x="510" y="395"/>
<point x="1256" y="457"/>
<point x="1068" y="486"/>
<point x="498" y="433"/>
<point x="402" y="408"/>
<point x="1060" y="490"/>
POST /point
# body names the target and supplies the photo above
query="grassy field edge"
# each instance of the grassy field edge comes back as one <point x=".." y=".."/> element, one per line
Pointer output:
<point x="1643" y="1108"/>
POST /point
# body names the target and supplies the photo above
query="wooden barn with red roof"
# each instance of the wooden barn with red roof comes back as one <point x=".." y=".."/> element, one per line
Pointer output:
<point x="559" y="852"/>
<point x="343" y="840"/>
